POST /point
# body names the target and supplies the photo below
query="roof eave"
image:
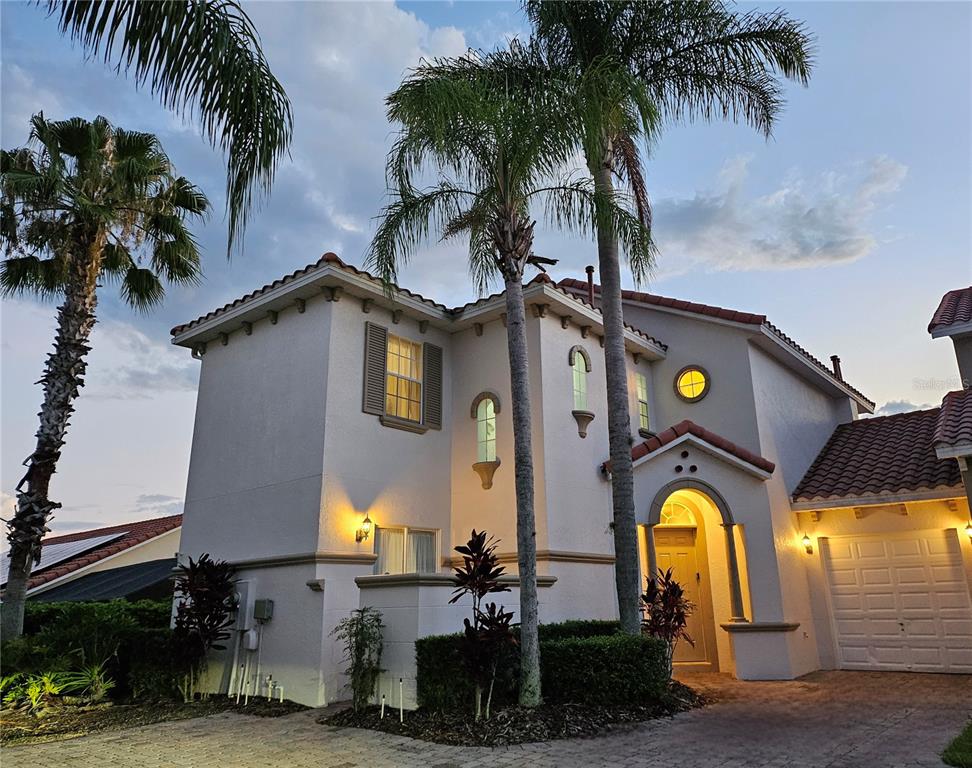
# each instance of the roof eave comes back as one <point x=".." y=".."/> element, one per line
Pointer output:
<point x="876" y="499"/>
<point x="955" y="329"/>
<point x="956" y="451"/>
<point x="706" y="446"/>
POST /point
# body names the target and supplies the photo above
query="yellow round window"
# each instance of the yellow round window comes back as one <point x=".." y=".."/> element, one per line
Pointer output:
<point x="692" y="383"/>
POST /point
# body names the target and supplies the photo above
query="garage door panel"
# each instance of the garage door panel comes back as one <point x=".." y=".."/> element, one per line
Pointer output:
<point x="900" y="602"/>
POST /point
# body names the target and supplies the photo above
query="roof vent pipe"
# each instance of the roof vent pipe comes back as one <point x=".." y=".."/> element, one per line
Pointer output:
<point x="589" y="269"/>
<point x="835" y="362"/>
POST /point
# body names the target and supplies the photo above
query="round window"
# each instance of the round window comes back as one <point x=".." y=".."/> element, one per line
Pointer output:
<point x="692" y="383"/>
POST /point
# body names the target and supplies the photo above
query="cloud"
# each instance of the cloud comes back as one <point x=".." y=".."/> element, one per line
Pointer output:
<point x="157" y="505"/>
<point x="804" y="222"/>
<point x="899" y="406"/>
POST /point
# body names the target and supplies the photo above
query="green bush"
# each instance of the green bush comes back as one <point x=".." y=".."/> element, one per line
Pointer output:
<point x="615" y="669"/>
<point x="580" y="662"/>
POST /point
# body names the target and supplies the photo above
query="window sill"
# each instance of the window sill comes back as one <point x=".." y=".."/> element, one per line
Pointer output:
<point x="404" y="424"/>
<point x="646" y="433"/>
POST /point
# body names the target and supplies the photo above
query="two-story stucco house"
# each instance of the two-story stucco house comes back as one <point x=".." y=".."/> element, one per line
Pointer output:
<point x="347" y="439"/>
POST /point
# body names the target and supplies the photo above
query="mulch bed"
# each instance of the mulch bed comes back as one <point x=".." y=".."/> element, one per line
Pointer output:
<point x="514" y="725"/>
<point x="65" y="722"/>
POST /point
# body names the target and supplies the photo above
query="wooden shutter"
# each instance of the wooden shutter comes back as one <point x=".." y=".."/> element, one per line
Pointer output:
<point x="375" y="354"/>
<point x="432" y="386"/>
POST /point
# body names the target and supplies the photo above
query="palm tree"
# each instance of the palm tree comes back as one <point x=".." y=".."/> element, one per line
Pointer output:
<point x="494" y="130"/>
<point x="83" y="203"/>
<point x="695" y="59"/>
<point x="202" y="58"/>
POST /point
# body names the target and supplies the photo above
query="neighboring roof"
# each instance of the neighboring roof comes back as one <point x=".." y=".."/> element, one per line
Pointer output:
<point x="955" y="308"/>
<point x="137" y="580"/>
<point x="954" y="424"/>
<point x="687" y="427"/>
<point x="133" y="533"/>
<point x="721" y="313"/>
<point x="873" y="458"/>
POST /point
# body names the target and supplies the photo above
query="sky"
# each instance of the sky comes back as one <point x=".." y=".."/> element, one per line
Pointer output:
<point x="845" y="227"/>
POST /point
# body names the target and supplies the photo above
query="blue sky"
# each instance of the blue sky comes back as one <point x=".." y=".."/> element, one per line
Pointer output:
<point x="845" y="227"/>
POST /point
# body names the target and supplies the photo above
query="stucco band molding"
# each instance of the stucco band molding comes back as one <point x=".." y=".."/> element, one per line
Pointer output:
<point x="435" y="580"/>
<point x="760" y="626"/>
<point x="712" y="450"/>
<point x="845" y="502"/>
<point x="545" y="556"/>
<point x="353" y="558"/>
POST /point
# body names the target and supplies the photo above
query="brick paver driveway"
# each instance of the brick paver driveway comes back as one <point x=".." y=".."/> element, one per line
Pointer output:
<point x="838" y="719"/>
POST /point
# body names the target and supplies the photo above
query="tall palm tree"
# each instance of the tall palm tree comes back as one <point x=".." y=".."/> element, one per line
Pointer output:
<point x="494" y="130"/>
<point x="202" y="58"/>
<point x="84" y="203"/>
<point x="696" y="59"/>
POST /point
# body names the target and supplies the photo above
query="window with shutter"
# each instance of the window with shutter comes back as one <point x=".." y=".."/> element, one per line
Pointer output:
<point x="432" y="407"/>
<point x="376" y="343"/>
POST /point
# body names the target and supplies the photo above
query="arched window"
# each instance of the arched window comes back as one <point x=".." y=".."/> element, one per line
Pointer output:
<point x="484" y="409"/>
<point x="580" y="363"/>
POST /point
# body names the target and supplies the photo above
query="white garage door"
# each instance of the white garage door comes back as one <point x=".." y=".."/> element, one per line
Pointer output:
<point x="900" y="601"/>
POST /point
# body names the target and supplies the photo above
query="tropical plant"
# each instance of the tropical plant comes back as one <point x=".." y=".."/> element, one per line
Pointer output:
<point x="201" y="58"/>
<point x="361" y="633"/>
<point x="667" y="60"/>
<point x="493" y="126"/>
<point x="665" y="611"/>
<point x="206" y="603"/>
<point x="84" y="203"/>
<point x="92" y="682"/>
<point x="489" y="636"/>
<point x="35" y="693"/>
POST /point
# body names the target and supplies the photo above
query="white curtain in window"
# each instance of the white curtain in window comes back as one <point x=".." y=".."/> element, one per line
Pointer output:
<point x="421" y="552"/>
<point x="390" y="548"/>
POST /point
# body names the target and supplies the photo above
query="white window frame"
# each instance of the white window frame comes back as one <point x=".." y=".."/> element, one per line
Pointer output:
<point x="417" y="346"/>
<point x="579" y="373"/>
<point x="406" y="530"/>
<point x="641" y="397"/>
<point x="486" y="448"/>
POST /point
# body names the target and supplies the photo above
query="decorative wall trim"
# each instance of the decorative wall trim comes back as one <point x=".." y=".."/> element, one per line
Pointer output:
<point x="760" y="626"/>
<point x="575" y="350"/>
<point x="435" y="580"/>
<point x="403" y="424"/>
<point x="354" y="558"/>
<point x="546" y="556"/>
<point x="486" y="394"/>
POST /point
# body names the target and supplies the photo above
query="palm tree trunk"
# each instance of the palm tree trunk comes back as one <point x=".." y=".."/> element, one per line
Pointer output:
<point x="526" y="534"/>
<point x="63" y="377"/>
<point x="626" y="566"/>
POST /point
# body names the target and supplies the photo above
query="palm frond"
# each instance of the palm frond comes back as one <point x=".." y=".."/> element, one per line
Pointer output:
<point x="141" y="288"/>
<point x="200" y="58"/>
<point x="23" y="275"/>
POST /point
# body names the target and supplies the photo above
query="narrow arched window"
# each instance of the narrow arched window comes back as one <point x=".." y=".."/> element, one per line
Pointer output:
<point x="486" y="430"/>
<point x="580" y="363"/>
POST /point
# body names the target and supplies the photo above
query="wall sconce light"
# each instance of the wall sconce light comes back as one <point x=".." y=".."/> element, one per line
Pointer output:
<point x="364" y="531"/>
<point x="807" y="544"/>
<point x="968" y="529"/>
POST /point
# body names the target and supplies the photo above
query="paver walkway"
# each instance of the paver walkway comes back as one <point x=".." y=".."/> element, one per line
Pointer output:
<point x="834" y="719"/>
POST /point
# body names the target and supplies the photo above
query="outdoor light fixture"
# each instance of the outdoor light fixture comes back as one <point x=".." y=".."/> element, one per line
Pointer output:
<point x="807" y="544"/>
<point x="968" y="529"/>
<point x="364" y="531"/>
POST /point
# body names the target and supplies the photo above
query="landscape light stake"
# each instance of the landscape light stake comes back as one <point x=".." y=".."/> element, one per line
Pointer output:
<point x="382" y="706"/>
<point x="401" y="701"/>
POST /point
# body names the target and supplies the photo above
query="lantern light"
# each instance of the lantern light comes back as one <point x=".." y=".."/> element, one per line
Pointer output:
<point x="807" y="544"/>
<point x="364" y="531"/>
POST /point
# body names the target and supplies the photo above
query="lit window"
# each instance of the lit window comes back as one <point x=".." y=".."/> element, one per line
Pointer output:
<point x="486" y="430"/>
<point x="676" y="513"/>
<point x="692" y="383"/>
<point x="404" y="550"/>
<point x="403" y="386"/>
<point x="642" y="387"/>
<point x="580" y="383"/>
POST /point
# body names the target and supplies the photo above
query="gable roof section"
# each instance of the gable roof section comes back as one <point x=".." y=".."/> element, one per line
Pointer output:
<point x="758" y="322"/>
<point x="875" y="460"/>
<point x="132" y="534"/>
<point x="955" y="309"/>
<point x="953" y="429"/>
<point x="672" y="434"/>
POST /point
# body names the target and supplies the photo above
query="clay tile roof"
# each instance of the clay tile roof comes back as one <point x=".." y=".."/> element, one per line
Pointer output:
<point x="955" y="308"/>
<point x="883" y="455"/>
<point x="671" y="434"/>
<point x="134" y="533"/>
<point x="954" y="425"/>
<point x="707" y="310"/>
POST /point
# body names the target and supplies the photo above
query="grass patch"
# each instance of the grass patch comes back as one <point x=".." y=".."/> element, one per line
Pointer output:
<point x="959" y="752"/>
<point x="67" y="722"/>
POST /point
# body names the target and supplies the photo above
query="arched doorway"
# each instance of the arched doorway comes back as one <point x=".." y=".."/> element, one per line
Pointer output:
<point x="680" y="543"/>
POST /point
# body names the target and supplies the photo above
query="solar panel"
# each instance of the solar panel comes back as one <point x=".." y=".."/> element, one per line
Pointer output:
<point x="52" y="554"/>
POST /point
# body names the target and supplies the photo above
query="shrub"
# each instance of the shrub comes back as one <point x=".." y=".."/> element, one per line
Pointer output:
<point x="615" y="669"/>
<point x="596" y="666"/>
<point x="361" y="634"/>
<point x="665" y="610"/>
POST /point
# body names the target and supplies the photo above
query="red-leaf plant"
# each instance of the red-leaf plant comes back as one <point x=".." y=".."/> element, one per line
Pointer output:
<point x="489" y="634"/>
<point x="665" y="611"/>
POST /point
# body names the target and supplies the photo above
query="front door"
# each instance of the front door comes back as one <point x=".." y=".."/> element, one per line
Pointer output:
<point x="675" y="548"/>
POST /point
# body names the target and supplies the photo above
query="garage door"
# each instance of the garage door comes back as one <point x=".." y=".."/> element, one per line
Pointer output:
<point x="900" y="602"/>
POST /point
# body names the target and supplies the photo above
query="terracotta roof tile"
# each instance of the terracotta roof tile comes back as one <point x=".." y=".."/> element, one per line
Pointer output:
<point x="955" y="308"/>
<point x="135" y="533"/>
<point x="883" y="455"/>
<point x="721" y="313"/>
<point x="685" y="427"/>
<point x="954" y="425"/>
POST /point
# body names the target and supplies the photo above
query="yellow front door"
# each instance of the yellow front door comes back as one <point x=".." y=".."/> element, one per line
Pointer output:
<point x="675" y="548"/>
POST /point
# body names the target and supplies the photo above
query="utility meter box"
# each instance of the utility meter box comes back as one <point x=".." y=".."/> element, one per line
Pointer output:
<point x="263" y="609"/>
